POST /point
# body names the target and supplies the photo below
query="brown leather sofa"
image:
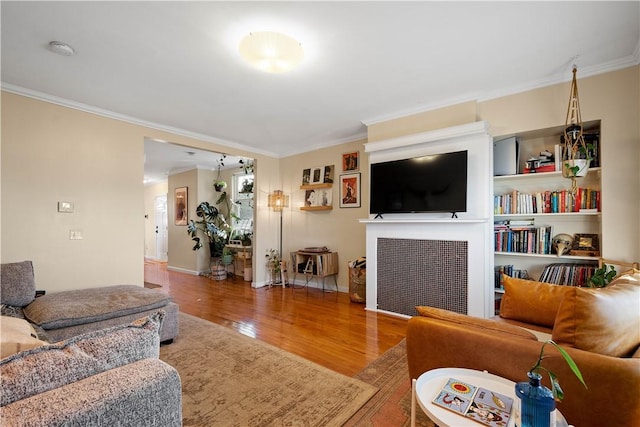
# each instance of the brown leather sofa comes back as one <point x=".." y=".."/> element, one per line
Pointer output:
<point x="599" y="328"/>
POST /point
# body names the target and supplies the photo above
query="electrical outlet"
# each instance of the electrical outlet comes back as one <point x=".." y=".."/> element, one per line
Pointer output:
<point x="75" y="235"/>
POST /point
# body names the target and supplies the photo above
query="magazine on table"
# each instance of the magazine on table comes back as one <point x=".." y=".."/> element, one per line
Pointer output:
<point x="476" y="403"/>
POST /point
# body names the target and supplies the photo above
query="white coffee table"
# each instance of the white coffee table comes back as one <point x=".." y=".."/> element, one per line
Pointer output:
<point x="429" y="384"/>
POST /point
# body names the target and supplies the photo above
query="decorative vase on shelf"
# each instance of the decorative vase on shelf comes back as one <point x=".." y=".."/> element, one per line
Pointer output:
<point x="534" y="406"/>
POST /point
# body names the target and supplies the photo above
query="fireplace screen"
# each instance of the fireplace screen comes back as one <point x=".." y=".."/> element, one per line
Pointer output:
<point x="415" y="272"/>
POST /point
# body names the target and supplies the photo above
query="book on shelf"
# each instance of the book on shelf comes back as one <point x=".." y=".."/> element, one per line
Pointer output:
<point x="568" y="274"/>
<point x="523" y="239"/>
<point x="508" y="270"/>
<point x="547" y="201"/>
<point x="477" y="403"/>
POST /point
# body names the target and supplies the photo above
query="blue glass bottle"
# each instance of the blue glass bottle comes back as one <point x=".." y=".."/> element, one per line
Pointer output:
<point x="535" y="406"/>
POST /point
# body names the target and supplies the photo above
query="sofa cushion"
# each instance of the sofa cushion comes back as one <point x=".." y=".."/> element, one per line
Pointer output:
<point x="532" y="302"/>
<point x="16" y="335"/>
<point x="17" y="283"/>
<point x="604" y="321"/>
<point x="50" y="366"/>
<point x="476" y="322"/>
<point x="69" y="308"/>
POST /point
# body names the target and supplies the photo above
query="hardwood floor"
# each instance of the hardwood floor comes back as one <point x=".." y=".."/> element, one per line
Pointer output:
<point x="326" y="328"/>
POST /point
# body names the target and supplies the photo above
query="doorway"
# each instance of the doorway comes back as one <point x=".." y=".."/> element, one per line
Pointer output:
<point x="160" y="204"/>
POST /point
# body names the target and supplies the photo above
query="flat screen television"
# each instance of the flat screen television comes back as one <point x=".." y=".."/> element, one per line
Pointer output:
<point x="433" y="183"/>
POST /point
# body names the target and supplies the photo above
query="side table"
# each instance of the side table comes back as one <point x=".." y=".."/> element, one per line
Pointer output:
<point x="429" y="384"/>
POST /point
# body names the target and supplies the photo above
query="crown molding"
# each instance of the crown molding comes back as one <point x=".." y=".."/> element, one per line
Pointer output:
<point x="40" y="96"/>
<point x="619" y="64"/>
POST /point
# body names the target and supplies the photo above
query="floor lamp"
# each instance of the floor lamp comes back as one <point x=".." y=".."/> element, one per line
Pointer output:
<point x="278" y="201"/>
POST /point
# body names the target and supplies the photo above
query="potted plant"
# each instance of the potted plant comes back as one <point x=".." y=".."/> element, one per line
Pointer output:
<point x="536" y="402"/>
<point x="218" y="183"/>
<point x="273" y="264"/>
<point x="602" y="276"/>
<point x="213" y="225"/>
<point x="247" y="186"/>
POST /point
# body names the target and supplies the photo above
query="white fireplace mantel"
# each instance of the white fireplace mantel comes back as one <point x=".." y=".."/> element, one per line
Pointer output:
<point x="474" y="226"/>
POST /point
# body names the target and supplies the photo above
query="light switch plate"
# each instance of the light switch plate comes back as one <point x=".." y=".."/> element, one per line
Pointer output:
<point x="66" y="207"/>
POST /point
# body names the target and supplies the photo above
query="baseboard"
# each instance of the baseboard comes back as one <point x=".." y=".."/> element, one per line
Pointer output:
<point x="183" y="270"/>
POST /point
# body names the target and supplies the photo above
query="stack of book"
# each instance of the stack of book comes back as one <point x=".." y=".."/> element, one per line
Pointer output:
<point x="522" y="236"/>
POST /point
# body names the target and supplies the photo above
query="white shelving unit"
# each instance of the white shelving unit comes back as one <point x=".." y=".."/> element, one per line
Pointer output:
<point x="565" y="222"/>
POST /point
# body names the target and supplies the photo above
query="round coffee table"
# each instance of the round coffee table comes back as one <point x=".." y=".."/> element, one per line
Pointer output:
<point x="429" y="384"/>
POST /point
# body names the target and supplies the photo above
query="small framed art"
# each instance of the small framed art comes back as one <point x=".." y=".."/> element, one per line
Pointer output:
<point x="181" y="205"/>
<point x="350" y="161"/>
<point x="585" y="245"/>
<point x="317" y="176"/>
<point x="350" y="190"/>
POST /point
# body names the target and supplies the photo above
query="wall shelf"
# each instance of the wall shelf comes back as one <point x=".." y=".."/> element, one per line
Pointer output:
<point x="314" y="186"/>
<point x="316" y="208"/>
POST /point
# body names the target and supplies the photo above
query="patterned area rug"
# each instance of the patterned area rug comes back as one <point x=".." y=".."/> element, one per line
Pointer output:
<point x="229" y="379"/>
<point x="391" y="406"/>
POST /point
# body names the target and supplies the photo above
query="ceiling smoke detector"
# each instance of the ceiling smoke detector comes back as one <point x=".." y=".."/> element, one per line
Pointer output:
<point x="61" y="48"/>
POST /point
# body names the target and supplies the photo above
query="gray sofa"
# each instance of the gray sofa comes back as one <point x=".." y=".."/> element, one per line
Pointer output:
<point x="110" y="377"/>
<point x="62" y="315"/>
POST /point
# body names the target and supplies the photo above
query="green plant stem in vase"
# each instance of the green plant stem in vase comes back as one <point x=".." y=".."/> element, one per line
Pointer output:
<point x="535" y="403"/>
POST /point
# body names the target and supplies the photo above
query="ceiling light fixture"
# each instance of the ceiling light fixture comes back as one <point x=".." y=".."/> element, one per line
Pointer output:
<point x="61" y="48"/>
<point x="271" y="52"/>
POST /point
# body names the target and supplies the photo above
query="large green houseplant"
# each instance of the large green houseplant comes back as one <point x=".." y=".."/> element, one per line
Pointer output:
<point x="212" y="225"/>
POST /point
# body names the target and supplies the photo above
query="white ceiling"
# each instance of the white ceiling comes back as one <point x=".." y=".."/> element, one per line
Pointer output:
<point x="175" y="65"/>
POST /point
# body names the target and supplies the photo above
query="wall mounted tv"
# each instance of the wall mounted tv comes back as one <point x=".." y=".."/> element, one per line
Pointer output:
<point x="433" y="183"/>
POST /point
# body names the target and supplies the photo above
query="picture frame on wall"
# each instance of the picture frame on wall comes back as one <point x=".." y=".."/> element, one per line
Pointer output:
<point x="306" y="176"/>
<point x="351" y="161"/>
<point x="181" y="203"/>
<point x="328" y="174"/>
<point x="350" y="190"/>
<point x="317" y="175"/>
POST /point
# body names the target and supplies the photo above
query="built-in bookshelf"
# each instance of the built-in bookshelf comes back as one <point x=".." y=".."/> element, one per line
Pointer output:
<point x="531" y="208"/>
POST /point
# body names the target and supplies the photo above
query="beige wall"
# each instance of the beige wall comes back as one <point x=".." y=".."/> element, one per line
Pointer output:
<point x="338" y="229"/>
<point x="150" y="194"/>
<point x="52" y="153"/>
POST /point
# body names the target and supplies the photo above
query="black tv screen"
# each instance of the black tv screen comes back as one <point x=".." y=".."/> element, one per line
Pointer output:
<point x="433" y="183"/>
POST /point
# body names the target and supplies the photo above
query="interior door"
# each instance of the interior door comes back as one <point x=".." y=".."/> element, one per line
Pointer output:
<point x="161" y="227"/>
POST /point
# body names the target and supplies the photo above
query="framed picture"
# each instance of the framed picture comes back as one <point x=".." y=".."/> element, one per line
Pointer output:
<point x="306" y="176"/>
<point x="318" y="197"/>
<point x="585" y="245"/>
<point x="350" y="161"/>
<point x="181" y="205"/>
<point x="350" y="190"/>
<point x="317" y="176"/>
<point x="328" y="174"/>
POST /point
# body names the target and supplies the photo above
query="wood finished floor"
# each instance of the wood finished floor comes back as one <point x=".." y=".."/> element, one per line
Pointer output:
<point x="326" y="328"/>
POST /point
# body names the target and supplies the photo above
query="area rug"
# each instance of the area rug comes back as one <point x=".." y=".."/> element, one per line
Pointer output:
<point x="229" y="379"/>
<point x="391" y="406"/>
<point x="151" y="285"/>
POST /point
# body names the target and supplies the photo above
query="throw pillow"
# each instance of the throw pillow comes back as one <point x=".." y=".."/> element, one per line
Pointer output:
<point x="16" y="335"/>
<point x="532" y="302"/>
<point x="51" y="366"/>
<point x="17" y="283"/>
<point x="604" y="321"/>
<point x="476" y="322"/>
